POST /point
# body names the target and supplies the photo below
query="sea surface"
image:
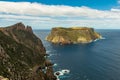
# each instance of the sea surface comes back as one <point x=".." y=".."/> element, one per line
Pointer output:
<point x="99" y="60"/>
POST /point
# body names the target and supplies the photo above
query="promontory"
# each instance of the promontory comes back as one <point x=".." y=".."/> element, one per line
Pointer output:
<point x="73" y="35"/>
<point x="22" y="55"/>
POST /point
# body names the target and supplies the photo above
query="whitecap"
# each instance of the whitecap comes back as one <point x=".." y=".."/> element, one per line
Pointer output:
<point x="61" y="74"/>
<point x="99" y="39"/>
<point x="103" y="38"/>
<point x="55" y="65"/>
<point x="48" y="52"/>
<point x="58" y="73"/>
<point x="58" y="78"/>
<point x="96" y="40"/>
<point x="65" y="71"/>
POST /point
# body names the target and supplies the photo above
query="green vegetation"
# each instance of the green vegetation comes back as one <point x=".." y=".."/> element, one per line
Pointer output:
<point x="72" y="35"/>
<point x="22" y="55"/>
<point x="18" y="58"/>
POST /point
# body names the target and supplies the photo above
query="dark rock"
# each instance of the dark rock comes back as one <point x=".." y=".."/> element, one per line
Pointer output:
<point x="57" y="73"/>
<point x="48" y="63"/>
<point x="49" y="71"/>
<point x="29" y="29"/>
<point x="22" y="54"/>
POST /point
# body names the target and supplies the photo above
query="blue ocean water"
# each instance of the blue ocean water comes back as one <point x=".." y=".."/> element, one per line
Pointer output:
<point x="98" y="60"/>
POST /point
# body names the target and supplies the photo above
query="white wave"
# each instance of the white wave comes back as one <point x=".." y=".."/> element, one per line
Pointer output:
<point x="58" y="79"/>
<point x="55" y="64"/>
<point x="62" y="72"/>
<point x="48" y="52"/>
<point x="103" y="38"/>
<point x="99" y="39"/>
<point x="65" y="71"/>
<point x="51" y="55"/>
<point x="58" y="73"/>
<point x="96" y="40"/>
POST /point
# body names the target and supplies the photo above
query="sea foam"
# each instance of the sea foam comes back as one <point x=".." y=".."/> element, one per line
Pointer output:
<point x="61" y="73"/>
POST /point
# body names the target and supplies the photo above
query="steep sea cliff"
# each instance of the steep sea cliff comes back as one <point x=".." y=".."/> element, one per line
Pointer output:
<point x="22" y="55"/>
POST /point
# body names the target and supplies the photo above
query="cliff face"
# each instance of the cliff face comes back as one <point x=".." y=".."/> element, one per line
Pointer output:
<point x="72" y="35"/>
<point x="22" y="55"/>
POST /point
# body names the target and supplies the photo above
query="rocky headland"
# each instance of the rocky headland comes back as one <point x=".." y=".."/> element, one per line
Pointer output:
<point x="60" y="35"/>
<point x="22" y="55"/>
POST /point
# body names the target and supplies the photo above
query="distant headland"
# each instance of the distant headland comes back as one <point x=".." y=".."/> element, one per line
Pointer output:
<point x="73" y="35"/>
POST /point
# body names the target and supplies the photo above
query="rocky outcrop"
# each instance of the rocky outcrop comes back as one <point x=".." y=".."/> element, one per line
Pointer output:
<point x="20" y="26"/>
<point x="22" y="55"/>
<point x="72" y="35"/>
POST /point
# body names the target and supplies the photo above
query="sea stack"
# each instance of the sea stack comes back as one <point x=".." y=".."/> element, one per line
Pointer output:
<point x="60" y="35"/>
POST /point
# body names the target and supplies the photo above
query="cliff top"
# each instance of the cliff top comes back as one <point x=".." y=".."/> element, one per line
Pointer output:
<point x="23" y="35"/>
<point x="73" y="28"/>
<point x="18" y="26"/>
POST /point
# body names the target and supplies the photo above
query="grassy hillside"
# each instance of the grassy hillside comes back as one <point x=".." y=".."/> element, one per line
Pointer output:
<point x="22" y="55"/>
<point x="72" y="35"/>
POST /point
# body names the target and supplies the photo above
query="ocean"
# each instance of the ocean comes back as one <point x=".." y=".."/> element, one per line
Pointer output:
<point x="99" y="60"/>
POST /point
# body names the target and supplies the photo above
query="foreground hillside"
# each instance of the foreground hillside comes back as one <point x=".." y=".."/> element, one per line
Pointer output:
<point x="22" y="55"/>
<point x="61" y="35"/>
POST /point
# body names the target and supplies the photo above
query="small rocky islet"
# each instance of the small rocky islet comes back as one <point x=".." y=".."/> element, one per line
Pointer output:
<point x="73" y="35"/>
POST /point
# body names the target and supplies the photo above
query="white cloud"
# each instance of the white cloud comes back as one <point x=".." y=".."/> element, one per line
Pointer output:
<point x="46" y="16"/>
<point x="23" y="17"/>
<point x="115" y="10"/>
<point x="35" y="9"/>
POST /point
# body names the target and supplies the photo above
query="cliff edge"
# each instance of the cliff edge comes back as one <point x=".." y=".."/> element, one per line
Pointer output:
<point x="22" y="55"/>
<point x="72" y="35"/>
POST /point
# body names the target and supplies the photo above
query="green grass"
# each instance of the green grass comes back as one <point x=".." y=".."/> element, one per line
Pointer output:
<point x="72" y="34"/>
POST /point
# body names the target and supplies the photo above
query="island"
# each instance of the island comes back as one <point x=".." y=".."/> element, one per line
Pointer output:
<point x="22" y="55"/>
<point x="73" y="35"/>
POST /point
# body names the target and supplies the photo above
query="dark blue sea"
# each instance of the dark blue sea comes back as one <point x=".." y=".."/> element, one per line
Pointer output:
<point x="98" y="60"/>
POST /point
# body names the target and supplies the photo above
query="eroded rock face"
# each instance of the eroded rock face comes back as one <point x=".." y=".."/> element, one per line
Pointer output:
<point x="19" y="26"/>
<point x="72" y="35"/>
<point x="22" y="55"/>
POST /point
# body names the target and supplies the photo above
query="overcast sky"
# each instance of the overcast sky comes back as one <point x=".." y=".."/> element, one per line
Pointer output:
<point x="45" y="14"/>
